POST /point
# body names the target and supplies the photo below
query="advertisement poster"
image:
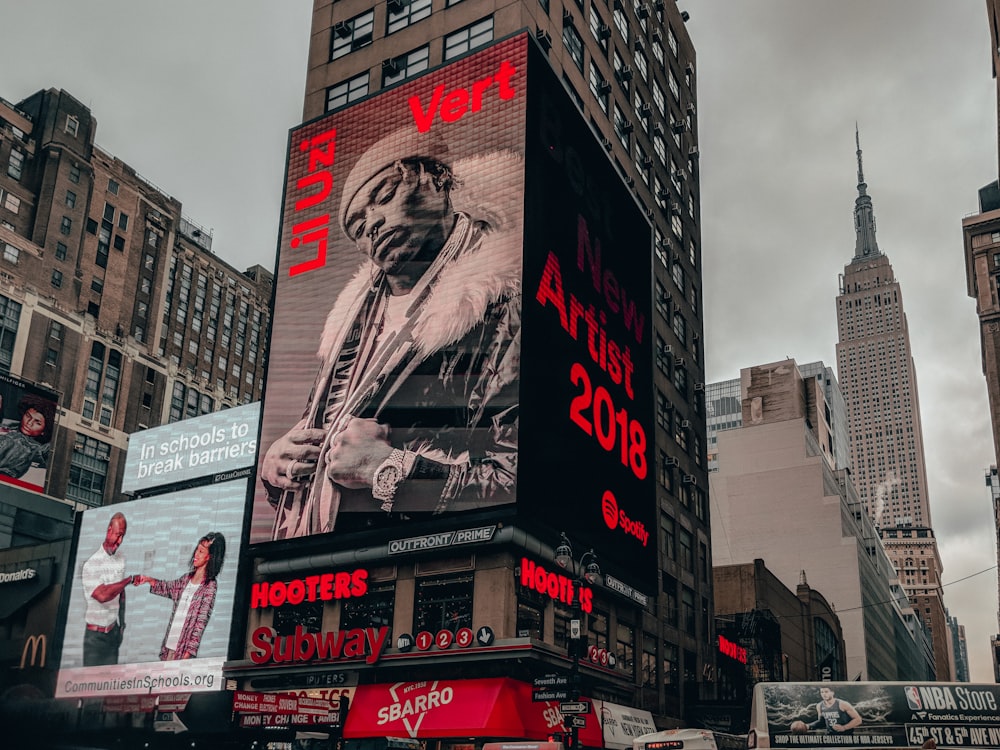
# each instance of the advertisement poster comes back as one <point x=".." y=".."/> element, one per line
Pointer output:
<point x="212" y="444"/>
<point x="835" y="714"/>
<point x="27" y="430"/>
<point x="392" y="387"/>
<point x="587" y="433"/>
<point x="173" y="558"/>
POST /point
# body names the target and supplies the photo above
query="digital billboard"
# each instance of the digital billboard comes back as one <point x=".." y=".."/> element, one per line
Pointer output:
<point x="462" y="318"/>
<point x="209" y="445"/>
<point x="872" y="714"/>
<point x="27" y="428"/>
<point x="152" y="590"/>
<point x="587" y="431"/>
<point x="393" y="370"/>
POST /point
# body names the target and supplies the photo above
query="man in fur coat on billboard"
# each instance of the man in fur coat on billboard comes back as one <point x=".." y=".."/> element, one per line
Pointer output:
<point x="414" y="409"/>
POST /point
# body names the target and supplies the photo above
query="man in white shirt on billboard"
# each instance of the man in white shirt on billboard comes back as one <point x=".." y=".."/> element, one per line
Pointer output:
<point x="104" y="583"/>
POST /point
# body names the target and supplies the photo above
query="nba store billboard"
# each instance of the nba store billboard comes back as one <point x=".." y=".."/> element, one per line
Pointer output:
<point x="462" y="317"/>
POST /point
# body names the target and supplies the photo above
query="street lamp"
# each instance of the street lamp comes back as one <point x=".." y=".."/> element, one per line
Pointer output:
<point x="587" y="571"/>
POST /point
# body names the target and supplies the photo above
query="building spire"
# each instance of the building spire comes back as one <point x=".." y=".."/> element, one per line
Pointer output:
<point x="865" y="245"/>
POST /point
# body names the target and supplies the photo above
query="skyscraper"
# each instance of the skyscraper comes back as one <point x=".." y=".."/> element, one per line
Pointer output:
<point x="879" y="383"/>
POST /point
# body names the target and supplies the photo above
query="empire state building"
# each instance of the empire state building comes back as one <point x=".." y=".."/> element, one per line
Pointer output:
<point x="879" y="382"/>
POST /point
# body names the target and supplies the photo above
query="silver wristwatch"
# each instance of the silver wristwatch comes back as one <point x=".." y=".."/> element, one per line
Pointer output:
<point x="387" y="477"/>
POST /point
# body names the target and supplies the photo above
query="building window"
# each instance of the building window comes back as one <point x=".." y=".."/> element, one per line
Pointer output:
<point x="599" y="87"/>
<point x="469" y="38"/>
<point x="15" y="166"/>
<point x="103" y="245"/>
<point x="187" y="402"/>
<point x="112" y="186"/>
<point x="599" y="29"/>
<point x="687" y="610"/>
<point x="622" y="126"/>
<point x="289" y="617"/>
<point x="347" y="91"/>
<point x="65" y="225"/>
<point x="373" y="610"/>
<point x="672" y="41"/>
<point x="680" y="327"/>
<point x="70" y="199"/>
<point x="97" y="285"/>
<point x="641" y="64"/>
<point x="623" y="73"/>
<point x="404" y="12"/>
<point x="55" y="331"/>
<point x="57" y="278"/>
<point x="443" y="604"/>
<point x="621" y="22"/>
<point x="625" y="647"/>
<point x="530" y="615"/>
<point x="72" y="125"/>
<point x="11" y="254"/>
<point x="119" y="242"/>
<point x="74" y="174"/>
<point x="573" y="44"/>
<point x="649" y="674"/>
<point x="88" y="470"/>
<point x="658" y="100"/>
<point x="405" y="66"/>
<point x="11" y="202"/>
<point x="123" y="222"/>
<point x="352" y="35"/>
<point x="671" y="661"/>
<point x="10" y="316"/>
<point x="51" y="357"/>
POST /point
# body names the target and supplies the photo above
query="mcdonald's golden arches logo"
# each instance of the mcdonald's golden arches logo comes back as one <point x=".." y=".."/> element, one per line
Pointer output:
<point x="37" y="643"/>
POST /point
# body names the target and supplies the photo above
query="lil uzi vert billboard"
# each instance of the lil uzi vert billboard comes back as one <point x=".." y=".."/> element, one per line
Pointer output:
<point x="419" y="318"/>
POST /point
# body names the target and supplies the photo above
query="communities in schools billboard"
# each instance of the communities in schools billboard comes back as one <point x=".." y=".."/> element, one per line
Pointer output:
<point x="462" y="318"/>
<point x="27" y="429"/>
<point x="152" y="590"/>
<point x="874" y="714"/>
<point x="209" y="445"/>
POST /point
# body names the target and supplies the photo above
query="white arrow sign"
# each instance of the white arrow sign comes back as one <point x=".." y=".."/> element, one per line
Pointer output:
<point x="169" y="722"/>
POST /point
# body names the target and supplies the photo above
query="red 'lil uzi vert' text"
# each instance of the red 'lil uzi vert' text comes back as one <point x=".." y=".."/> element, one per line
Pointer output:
<point x="455" y="104"/>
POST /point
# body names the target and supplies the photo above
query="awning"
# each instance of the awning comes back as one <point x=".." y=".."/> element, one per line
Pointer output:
<point x="622" y="724"/>
<point x="495" y="707"/>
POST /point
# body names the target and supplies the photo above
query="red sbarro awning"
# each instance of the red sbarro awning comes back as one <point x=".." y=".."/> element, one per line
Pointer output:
<point x="496" y="707"/>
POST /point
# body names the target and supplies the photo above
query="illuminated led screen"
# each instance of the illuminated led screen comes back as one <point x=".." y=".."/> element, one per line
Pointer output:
<point x="397" y="309"/>
<point x="586" y="392"/>
<point x="161" y="536"/>
<point x="27" y="432"/>
<point x="500" y="340"/>
<point x="203" y="446"/>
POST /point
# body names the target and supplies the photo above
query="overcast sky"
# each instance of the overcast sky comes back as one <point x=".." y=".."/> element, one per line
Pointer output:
<point x="198" y="97"/>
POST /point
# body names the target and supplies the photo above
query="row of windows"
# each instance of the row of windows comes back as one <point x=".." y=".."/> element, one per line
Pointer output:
<point x="410" y="63"/>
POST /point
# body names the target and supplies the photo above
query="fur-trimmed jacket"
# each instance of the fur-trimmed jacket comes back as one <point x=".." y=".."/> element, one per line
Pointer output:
<point x="446" y="384"/>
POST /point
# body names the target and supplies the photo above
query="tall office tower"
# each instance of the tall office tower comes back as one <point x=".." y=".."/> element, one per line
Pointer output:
<point x="778" y="495"/>
<point x="113" y="304"/>
<point x="628" y="66"/>
<point x="981" y="235"/>
<point x="879" y="384"/>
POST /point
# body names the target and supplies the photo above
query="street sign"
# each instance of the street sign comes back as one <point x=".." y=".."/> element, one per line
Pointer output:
<point x="577" y="721"/>
<point x="549" y="695"/>
<point x="551" y="681"/>
<point x="576" y="707"/>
